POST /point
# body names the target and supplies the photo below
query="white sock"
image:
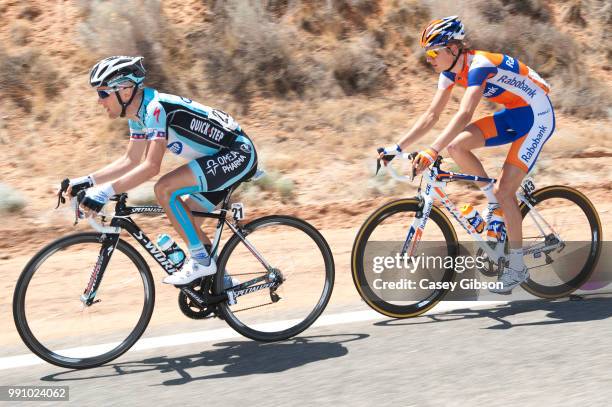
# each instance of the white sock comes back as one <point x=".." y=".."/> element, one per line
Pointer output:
<point x="488" y="191"/>
<point x="200" y="255"/>
<point x="516" y="259"/>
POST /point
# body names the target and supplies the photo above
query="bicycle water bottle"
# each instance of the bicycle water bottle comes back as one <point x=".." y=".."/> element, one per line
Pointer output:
<point x="172" y="250"/>
<point x="496" y="229"/>
<point x="473" y="217"/>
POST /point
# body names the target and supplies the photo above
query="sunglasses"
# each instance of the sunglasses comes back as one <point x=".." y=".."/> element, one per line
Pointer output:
<point x="433" y="53"/>
<point x="103" y="94"/>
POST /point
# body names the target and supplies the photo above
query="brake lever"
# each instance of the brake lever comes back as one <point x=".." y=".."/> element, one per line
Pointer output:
<point x="60" y="194"/>
<point x="78" y="214"/>
<point x="387" y="158"/>
<point x="412" y="157"/>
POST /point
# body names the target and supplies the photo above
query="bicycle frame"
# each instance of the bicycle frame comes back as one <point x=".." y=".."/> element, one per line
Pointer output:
<point x="435" y="184"/>
<point x="121" y="221"/>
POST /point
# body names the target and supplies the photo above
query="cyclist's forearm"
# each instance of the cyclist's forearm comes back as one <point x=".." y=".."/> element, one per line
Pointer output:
<point x="114" y="170"/>
<point x="419" y="129"/>
<point x="143" y="172"/>
<point x="454" y="127"/>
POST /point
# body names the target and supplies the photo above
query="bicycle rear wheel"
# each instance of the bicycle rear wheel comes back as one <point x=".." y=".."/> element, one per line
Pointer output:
<point x="383" y="235"/>
<point x="58" y="327"/>
<point x="298" y="255"/>
<point x="573" y="218"/>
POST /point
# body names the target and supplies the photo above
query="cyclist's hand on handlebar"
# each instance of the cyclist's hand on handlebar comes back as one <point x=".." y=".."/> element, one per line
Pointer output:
<point x="424" y="159"/>
<point x="387" y="154"/>
<point x="94" y="199"/>
<point x="71" y="187"/>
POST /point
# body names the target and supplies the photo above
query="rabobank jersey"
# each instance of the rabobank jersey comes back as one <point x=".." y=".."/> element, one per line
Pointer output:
<point x="191" y="130"/>
<point x="508" y="81"/>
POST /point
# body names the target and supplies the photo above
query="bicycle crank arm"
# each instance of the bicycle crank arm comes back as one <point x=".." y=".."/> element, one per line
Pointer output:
<point x="204" y="300"/>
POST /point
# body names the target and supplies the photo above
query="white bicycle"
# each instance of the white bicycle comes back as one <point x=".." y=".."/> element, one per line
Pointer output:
<point x="559" y="222"/>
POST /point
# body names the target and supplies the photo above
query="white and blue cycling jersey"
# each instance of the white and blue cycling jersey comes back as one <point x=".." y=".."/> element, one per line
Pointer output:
<point x="220" y="154"/>
<point x="192" y="130"/>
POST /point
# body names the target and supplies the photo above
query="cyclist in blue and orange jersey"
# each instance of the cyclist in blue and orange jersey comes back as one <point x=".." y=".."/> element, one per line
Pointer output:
<point x="527" y="122"/>
<point x="218" y="152"/>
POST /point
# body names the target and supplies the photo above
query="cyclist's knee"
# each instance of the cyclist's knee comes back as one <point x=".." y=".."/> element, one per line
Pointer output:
<point x="162" y="190"/>
<point x="457" y="147"/>
<point x="453" y="149"/>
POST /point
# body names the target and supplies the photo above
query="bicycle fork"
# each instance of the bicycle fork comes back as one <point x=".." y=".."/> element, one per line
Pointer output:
<point x="418" y="224"/>
<point x="109" y="244"/>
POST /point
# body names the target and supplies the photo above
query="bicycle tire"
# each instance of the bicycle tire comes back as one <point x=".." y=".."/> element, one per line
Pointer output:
<point x="571" y="194"/>
<point x="358" y="252"/>
<point x="328" y="260"/>
<point x="19" y="312"/>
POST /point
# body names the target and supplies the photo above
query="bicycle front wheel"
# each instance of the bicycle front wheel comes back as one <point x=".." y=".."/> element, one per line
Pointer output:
<point x="565" y="220"/>
<point x="53" y="321"/>
<point x="297" y="256"/>
<point x="383" y="236"/>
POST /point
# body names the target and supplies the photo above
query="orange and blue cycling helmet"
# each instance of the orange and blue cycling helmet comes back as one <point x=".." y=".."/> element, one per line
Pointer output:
<point x="439" y="33"/>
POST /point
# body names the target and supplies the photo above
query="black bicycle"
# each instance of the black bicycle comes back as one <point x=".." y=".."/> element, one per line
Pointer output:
<point x="69" y="317"/>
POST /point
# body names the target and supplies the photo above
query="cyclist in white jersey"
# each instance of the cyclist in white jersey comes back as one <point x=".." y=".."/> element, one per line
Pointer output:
<point x="218" y="151"/>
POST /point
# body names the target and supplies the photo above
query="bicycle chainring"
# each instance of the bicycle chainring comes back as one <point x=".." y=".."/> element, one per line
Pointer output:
<point x="490" y="269"/>
<point x="191" y="308"/>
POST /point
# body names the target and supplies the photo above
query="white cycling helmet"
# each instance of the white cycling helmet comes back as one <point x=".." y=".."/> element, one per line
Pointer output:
<point x="113" y="71"/>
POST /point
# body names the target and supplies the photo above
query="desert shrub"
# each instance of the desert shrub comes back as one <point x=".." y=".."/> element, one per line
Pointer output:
<point x="26" y="73"/>
<point x="572" y="13"/>
<point x="285" y="188"/>
<point x="277" y="8"/>
<point x="341" y="18"/>
<point x="29" y="12"/>
<point x="535" y="9"/>
<point x="580" y="97"/>
<point x="139" y="28"/>
<point x="407" y="18"/>
<point x="276" y="183"/>
<point x="249" y="53"/>
<point x="19" y="32"/>
<point x="10" y="200"/>
<point x="358" y="68"/>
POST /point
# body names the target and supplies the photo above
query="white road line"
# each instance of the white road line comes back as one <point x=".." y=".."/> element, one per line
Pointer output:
<point x="228" y="333"/>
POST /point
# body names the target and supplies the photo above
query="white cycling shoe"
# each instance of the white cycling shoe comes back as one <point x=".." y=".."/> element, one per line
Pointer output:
<point x="190" y="271"/>
<point x="510" y="278"/>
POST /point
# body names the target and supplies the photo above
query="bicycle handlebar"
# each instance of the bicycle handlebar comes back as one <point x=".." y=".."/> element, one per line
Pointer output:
<point x="74" y="201"/>
<point x="390" y="156"/>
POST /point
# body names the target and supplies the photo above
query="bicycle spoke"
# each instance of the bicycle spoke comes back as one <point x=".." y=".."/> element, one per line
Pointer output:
<point x="58" y="326"/>
<point x="301" y="275"/>
<point x="561" y="260"/>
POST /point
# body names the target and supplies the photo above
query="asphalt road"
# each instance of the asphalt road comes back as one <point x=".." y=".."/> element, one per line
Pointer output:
<point x="530" y="352"/>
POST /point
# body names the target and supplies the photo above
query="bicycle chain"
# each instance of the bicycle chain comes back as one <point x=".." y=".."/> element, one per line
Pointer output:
<point x="254" y="306"/>
<point x="185" y="305"/>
